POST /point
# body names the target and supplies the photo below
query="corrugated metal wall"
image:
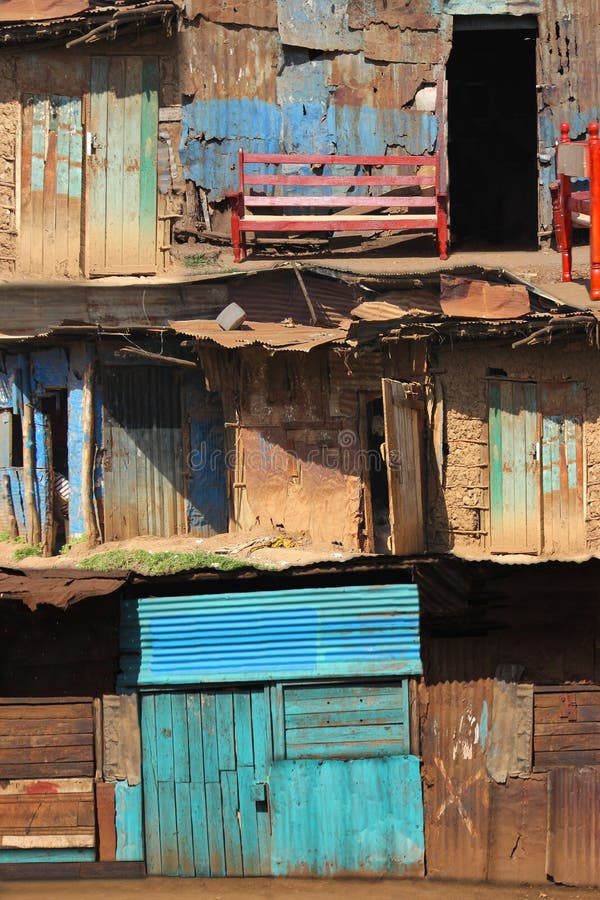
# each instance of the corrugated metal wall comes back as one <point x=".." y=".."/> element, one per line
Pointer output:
<point x="271" y="635"/>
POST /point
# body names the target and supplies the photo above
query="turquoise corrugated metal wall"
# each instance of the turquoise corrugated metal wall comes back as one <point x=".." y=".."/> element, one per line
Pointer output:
<point x="271" y="635"/>
<point x="332" y="817"/>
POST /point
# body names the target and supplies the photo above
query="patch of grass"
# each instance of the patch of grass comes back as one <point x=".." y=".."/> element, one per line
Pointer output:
<point x="82" y="539"/>
<point x="27" y="550"/>
<point x="197" y="261"/>
<point x="4" y="537"/>
<point x="160" y="563"/>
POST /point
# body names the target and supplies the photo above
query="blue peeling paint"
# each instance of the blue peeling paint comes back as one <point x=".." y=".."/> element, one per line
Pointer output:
<point x="49" y="370"/>
<point x="483" y="725"/>
<point x="79" y="359"/>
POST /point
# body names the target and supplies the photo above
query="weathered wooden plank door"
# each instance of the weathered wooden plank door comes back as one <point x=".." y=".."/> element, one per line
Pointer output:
<point x="206" y="757"/>
<point x="121" y="166"/>
<point x="51" y="180"/>
<point x="561" y="405"/>
<point x="143" y="452"/>
<point x="403" y="417"/>
<point x="514" y="467"/>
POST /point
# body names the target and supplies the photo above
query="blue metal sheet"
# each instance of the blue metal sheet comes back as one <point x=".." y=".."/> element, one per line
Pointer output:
<point x="271" y="635"/>
<point x="343" y="817"/>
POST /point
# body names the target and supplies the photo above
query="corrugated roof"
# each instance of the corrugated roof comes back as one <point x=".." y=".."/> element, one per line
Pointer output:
<point x="15" y="11"/>
<point x="282" y="336"/>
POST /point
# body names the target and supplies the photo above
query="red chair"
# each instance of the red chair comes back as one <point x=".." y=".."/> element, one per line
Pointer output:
<point x="578" y="159"/>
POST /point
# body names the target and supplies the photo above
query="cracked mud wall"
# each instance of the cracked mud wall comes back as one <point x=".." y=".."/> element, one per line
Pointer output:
<point x="9" y="130"/>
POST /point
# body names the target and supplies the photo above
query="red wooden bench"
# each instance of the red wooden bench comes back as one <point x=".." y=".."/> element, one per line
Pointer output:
<point x="578" y="159"/>
<point x="378" y="205"/>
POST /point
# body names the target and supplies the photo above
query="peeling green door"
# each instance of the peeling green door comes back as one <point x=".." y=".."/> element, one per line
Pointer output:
<point x="121" y="166"/>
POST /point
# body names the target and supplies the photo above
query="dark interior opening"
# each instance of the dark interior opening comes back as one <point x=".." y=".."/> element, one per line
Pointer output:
<point x="377" y="473"/>
<point x="492" y="137"/>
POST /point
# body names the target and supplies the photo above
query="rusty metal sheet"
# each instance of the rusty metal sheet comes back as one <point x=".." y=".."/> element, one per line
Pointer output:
<point x="40" y="10"/>
<point x="574" y="826"/>
<point x="242" y="12"/>
<point x="404" y="14"/>
<point x="224" y="64"/>
<point x="358" y="81"/>
<point x="395" y="45"/>
<point x="511" y="731"/>
<point x="518" y="830"/>
<point x="456" y="704"/>
<point x="396" y="304"/>
<point x="467" y="298"/>
<point x="276" y="337"/>
<point x="317" y="24"/>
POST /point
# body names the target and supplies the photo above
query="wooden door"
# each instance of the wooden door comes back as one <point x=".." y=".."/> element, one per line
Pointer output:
<point x="561" y="405"/>
<point x="403" y="418"/>
<point x="51" y="180"/>
<point x="206" y="756"/>
<point x="121" y="166"/>
<point x="143" y="452"/>
<point x="514" y="467"/>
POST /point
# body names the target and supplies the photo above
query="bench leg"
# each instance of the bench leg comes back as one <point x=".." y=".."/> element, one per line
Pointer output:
<point x="244" y="246"/>
<point x="563" y="228"/>
<point x="235" y="237"/>
<point x="442" y="226"/>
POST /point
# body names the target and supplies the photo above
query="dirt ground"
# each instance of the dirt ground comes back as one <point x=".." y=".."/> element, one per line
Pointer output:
<point x="281" y="889"/>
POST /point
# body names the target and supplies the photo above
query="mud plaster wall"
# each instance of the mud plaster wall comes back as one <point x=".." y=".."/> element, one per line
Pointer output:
<point x="458" y="517"/>
<point x="9" y="128"/>
<point x="294" y="459"/>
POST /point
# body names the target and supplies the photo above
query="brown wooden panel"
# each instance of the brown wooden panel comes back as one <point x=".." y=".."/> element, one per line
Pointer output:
<point x="51" y="816"/>
<point x="47" y="711"/>
<point x="582" y="697"/>
<point x="47" y="770"/>
<point x="9" y="727"/>
<point x="557" y="742"/>
<point x="48" y="754"/>
<point x="44" y="740"/>
<point x="542" y="729"/>
<point x="566" y="758"/>
<point x="107" y="834"/>
<point x="548" y="715"/>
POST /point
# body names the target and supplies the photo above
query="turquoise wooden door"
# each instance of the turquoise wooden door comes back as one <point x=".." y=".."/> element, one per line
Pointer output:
<point x="121" y="166"/>
<point x="206" y="757"/>
<point x="514" y="435"/>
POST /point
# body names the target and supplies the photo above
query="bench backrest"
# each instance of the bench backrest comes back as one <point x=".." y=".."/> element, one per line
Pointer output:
<point x="328" y="185"/>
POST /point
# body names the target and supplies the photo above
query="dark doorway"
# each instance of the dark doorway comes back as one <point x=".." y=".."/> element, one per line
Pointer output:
<point x="492" y="132"/>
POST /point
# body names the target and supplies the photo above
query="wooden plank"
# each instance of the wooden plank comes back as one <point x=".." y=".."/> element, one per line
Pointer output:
<point x="243" y="728"/>
<point x="114" y="161"/>
<point x="84" y="787"/>
<point x="566" y="758"/>
<point x="148" y="167"/>
<point x="347" y="749"/>
<point x="46" y="770"/>
<point x="75" y="187"/>
<point x="26" y="186"/>
<point x="51" y="701"/>
<point x="185" y="842"/>
<point x="57" y="755"/>
<point x="231" y="824"/>
<point x="509" y="499"/>
<point x="48" y="727"/>
<point x="194" y="723"/>
<point x="225" y="731"/>
<point x="62" y="108"/>
<point x="248" y="822"/>
<point x="356" y="717"/>
<point x="214" y="824"/>
<point x="164" y="738"/>
<point x="105" y="811"/>
<point x="584" y="698"/>
<point x="38" y="166"/>
<point x="97" y="168"/>
<point x="496" y="472"/>
<point x="48" y="711"/>
<point x="209" y="737"/>
<point x="52" y="855"/>
<point x="167" y="823"/>
<point x="343" y="733"/>
<point x="128" y="821"/>
<point x="181" y="751"/>
<point x="49" y="203"/>
<point x="563" y="727"/>
<point x="263" y="756"/>
<point x="278" y="721"/>
<point x="344" y="696"/>
<point x="403" y="451"/>
<point x="552" y="714"/>
<point x="45" y="740"/>
<point x="199" y="830"/>
<point x="150" y="772"/>
<point x="132" y="101"/>
<point x="582" y="741"/>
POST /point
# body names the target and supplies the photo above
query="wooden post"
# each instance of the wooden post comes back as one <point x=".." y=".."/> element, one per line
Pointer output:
<point x="48" y="531"/>
<point x="105" y="812"/>
<point x="33" y="513"/>
<point x="87" y="457"/>
<point x="13" y="528"/>
<point x="594" y="161"/>
<point x="565" y="212"/>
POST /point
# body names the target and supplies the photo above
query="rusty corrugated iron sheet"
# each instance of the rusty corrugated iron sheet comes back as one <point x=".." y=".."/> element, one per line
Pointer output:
<point x="417" y="15"/>
<point x="574" y="825"/>
<point x="14" y="11"/>
<point x="317" y="24"/>
<point x="518" y="830"/>
<point x="456" y="706"/>
<point x="276" y="337"/>
<point x="242" y="12"/>
<point x="470" y="298"/>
